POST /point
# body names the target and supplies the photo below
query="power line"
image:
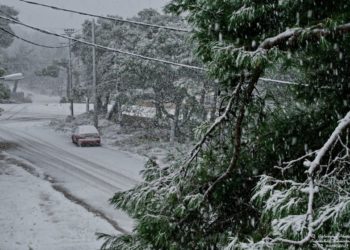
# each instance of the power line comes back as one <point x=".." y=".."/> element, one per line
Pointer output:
<point x="104" y="47"/>
<point x="136" y="55"/>
<point x="280" y="81"/>
<point x="108" y="18"/>
<point x="292" y="83"/>
<point x="7" y="15"/>
<point x="30" y="42"/>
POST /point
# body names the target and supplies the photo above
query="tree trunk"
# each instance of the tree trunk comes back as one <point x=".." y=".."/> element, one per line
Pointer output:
<point x="120" y="113"/>
<point x="159" y="114"/>
<point x="176" y="118"/>
<point x="112" y="115"/>
<point x="99" y="104"/>
<point x="105" y="105"/>
<point x="172" y="131"/>
<point x="174" y="124"/>
<point x="202" y="101"/>
<point x="214" y="104"/>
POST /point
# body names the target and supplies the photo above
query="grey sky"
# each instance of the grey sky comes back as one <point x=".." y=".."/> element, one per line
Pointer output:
<point x="57" y="20"/>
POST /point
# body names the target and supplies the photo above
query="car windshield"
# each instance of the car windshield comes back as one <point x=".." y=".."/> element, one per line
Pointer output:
<point x="90" y="135"/>
<point x="87" y="130"/>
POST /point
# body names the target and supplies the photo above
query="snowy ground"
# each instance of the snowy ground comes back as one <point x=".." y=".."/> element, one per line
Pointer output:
<point x="87" y="176"/>
<point x="140" y="139"/>
<point x="35" y="216"/>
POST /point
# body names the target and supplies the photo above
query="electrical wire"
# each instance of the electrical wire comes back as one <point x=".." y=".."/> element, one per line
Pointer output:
<point x="292" y="83"/>
<point x="133" y="54"/>
<point x="33" y="43"/>
<point x="104" y="47"/>
<point x="107" y="18"/>
<point x="280" y="81"/>
<point x="7" y="15"/>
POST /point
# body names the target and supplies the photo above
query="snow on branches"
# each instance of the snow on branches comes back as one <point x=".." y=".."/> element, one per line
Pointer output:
<point x="297" y="210"/>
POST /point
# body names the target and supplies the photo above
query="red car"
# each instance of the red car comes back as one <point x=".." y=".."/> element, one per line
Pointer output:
<point x="86" y="135"/>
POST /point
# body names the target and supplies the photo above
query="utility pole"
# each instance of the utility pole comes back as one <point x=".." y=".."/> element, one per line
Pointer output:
<point x="69" y="32"/>
<point x="94" y="86"/>
<point x="68" y="77"/>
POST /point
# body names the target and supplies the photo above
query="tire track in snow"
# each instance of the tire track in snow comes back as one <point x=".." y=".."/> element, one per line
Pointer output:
<point x="73" y="158"/>
<point x="32" y="151"/>
<point x="55" y="159"/>
<point x="67" y="194"/>
<point x="13" y="114"/>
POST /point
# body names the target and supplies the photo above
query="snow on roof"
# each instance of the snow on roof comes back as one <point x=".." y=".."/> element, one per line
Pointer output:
<point x="13" y="77"/>
<point x="87" y="129"/>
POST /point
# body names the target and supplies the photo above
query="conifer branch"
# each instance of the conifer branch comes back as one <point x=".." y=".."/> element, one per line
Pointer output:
<point x="237" y="134"/>
<point x="290" y="36"/>
<point x="195" y="151"/>
<point x="312" y="186"/>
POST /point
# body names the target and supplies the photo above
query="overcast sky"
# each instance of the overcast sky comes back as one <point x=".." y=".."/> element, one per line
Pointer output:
<point x="57" y="20"/>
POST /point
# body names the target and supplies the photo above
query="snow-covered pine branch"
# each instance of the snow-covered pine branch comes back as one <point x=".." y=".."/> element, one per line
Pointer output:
<point x="290" y="36"/>
<point x="297" y="211"/>
<point x="256" y="55"/>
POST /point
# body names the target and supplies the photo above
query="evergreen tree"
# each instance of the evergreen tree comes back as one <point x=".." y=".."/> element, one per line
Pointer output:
<point x="5" y="38"/>
<point x="200" y="202"/>
<point x="5" y="41"/>
<point x="131" y="81"/>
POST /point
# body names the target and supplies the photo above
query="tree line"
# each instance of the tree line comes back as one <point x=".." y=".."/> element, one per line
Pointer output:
<point x="181" y="98"/>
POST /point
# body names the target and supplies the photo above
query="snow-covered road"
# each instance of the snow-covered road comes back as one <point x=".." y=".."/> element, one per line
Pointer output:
<point x="35" y="216"/>
<point x="89" y="175"/>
